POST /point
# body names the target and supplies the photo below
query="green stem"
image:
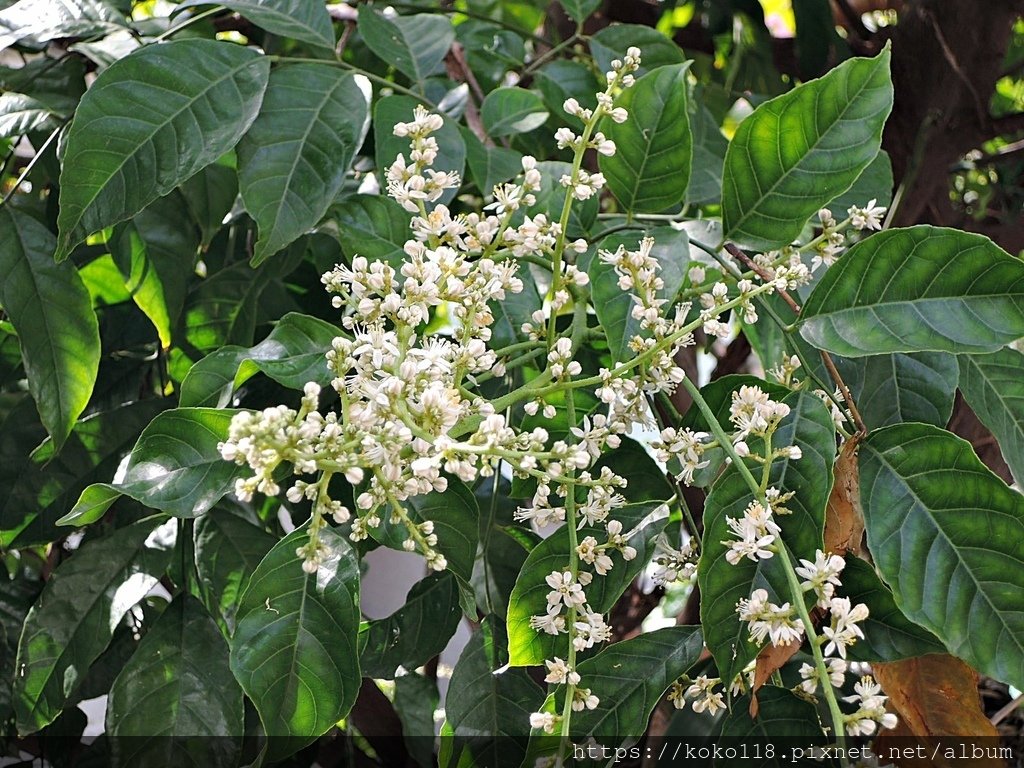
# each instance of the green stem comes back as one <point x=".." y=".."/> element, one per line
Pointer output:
<point x="359" y="70"/>
<point x="795" y="589"/>
<point x="574" y="569"/>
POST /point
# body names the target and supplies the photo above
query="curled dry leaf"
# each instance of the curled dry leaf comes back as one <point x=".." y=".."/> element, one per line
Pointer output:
<point x="934" y="696"/>
<point x="844" y="521"/>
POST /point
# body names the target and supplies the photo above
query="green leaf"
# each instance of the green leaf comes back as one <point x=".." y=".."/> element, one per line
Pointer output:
<point x="44" y="484"/>
<point x="175" y="702"/>
<point x="228" y="549"/>
<point x="782" y="717"/>
<point x="798" y="151"/>
<point x="292" y="355"/>
<point x="78" y="611"/>
<point x="16" y="598"/>
<point x="52" y="312"/>
<point x="451" y="153"/>
<point x="559" y="80"/>
<point x="921" y="289"/>
<point x="300" y="19"/>
<point x="293" y="161"/>
<point x="490" y="165"/>
<point x="373" y="226"/>
<point x="38" y="21"/>
<point x="20" y="114"/>
<point x="174" y="467"/>
<point x="709" y="148"/>
<point x="490" y="712"/>
<point x="414" y="45"/>
<point x="515" y="309"/>
<point x="809" y="478"/>
<point x="527" y="646"/>
<point x="580" y="10"/>
<point x="57" y="83"/>
<point x="875" y="183"/>
<point x="416" y="632"/>
<point x="630" y="678"/>
<point x="156" y="253"/>
<point x="294" y="650"/>
<point x="551" y="197"/>
<point x="210" y="195"/>
<point x="222" y="308"/>
<point x="614" y="306"/>
<point x="889" y="635"/>
<point x="992" y="385"/>
<point x="189" y="100"/>
<point x="612" y="41"/>
<point x="948" y="536"/>
<point x="415" y="701"/>
<point x="455" y="515"/>
<point x="650" y="170"/>
<point x="889" y="389"/>
<point x="507" y="111"/>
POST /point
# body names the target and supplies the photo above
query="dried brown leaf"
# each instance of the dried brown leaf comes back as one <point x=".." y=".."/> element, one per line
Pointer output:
<point x="935" y="695"/>
<point x="844" y="521"/>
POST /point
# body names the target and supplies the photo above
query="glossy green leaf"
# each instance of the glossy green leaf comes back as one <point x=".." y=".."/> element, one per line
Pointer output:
<point x="527" y="646"/>
<point x="630" y="678"/>
<point x="511" y="110"/>
<point x="416" y="632"/>
<point x="515" y="309"/>
<point x="373" y="226"/>
<point x="294" y="159"/>
<point x="948" y="536"/>
<point x="809" y="478"/>
<point x="16" y="598"/>
<point x="709" y="148"/>
<point x="44" y="484"/>
<point x="614" y="306"/>
<point x="800" y="150"/>
<point x="490" y="165"/>
<point x="551" y="197"/>
<point x="580" y="10"/>
<point x="188" y="100"/>
<point x="20" y="114"/>
<point x="294" y="649"/>
<point x="650" y="170"/>
<point x="56" y="83"/>
<point x="57" y="329"/>
<point x="490" y="711"/>
<point x="174" y="467"/>
<point x="78" y="611"/>
<point x="415" y="45"/>
<point x="889" y="389"/>
<point x="456" y="523"/>
<point x="782" y="717"/>
<point x="300" y="19"/>
<point x="993" y="386"/>
<point x="292" y="355"/>
<point x="415" y="701"/>
<point x="875" y="183"/>
<point x="919" y="289"/>
<point x="888" y="634"/>
<point x="210" y="195"/>
<point x="387" y="112"/>
<point x="612" y="41"/>
<point x="156" y="253"/>
<point x="228" y="548"/>
<point x="222" y="309"/>
<point x="561" y="79"/>
<point x="175" y="702"/>
<point x="39" y="21"/>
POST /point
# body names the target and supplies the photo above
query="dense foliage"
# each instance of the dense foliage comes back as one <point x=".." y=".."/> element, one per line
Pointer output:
<point x="286" y="283"/>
